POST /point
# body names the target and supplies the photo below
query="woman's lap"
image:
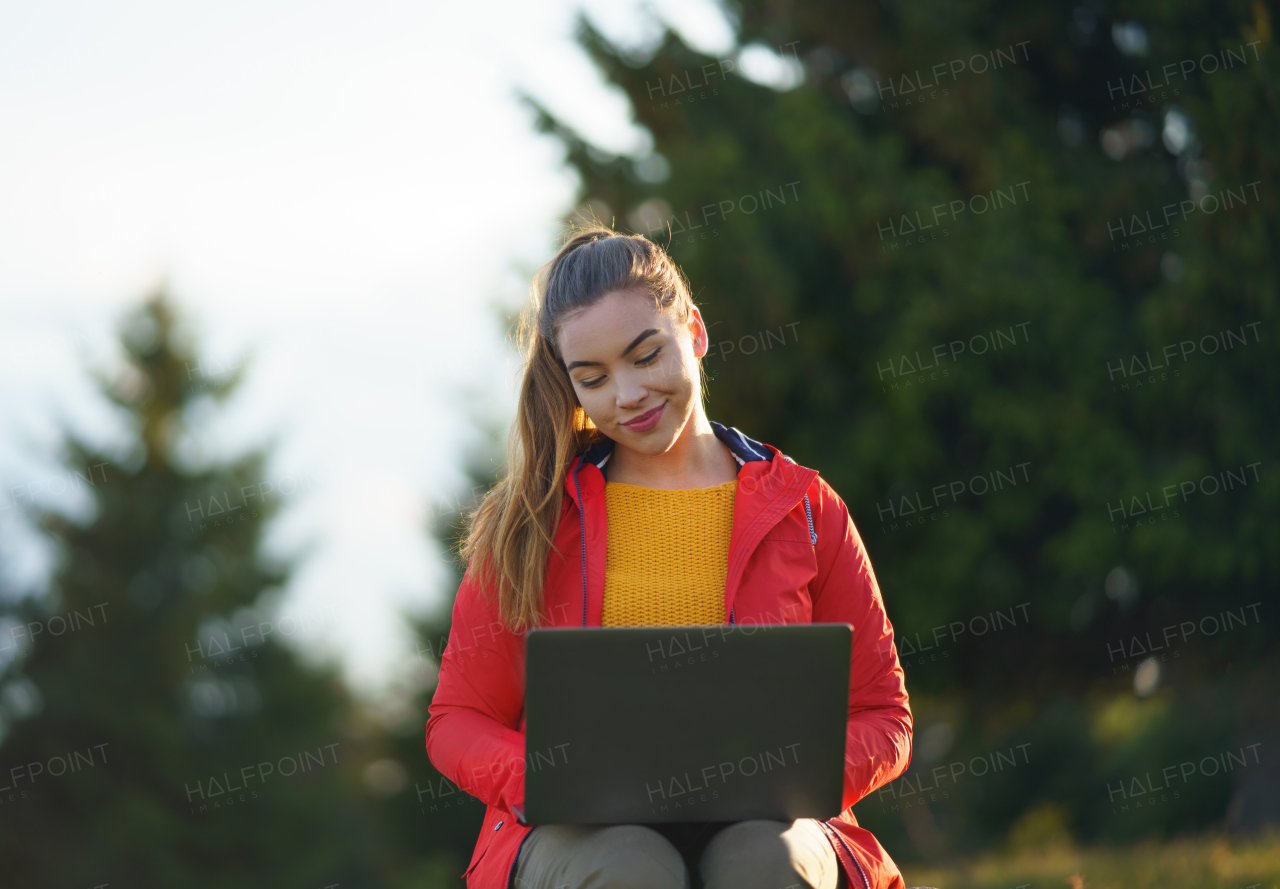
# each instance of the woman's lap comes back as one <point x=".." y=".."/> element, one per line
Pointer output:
<point x="735" y="855"/>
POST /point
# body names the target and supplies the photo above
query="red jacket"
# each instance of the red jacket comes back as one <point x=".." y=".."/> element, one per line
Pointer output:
<point x="794" y="557"/>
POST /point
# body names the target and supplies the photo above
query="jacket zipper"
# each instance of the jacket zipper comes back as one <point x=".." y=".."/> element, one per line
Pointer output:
<point x="808" y="514"/>
<point x="582" y="536"/>
<point x="511" y="874"/>
<point x="857" y="863"/>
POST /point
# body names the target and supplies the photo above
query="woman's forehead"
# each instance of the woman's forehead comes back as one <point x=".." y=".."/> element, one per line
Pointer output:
<point x="620" y="316"/>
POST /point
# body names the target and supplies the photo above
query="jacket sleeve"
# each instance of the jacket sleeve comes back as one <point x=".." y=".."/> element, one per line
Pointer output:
<point x="878" y="742"/>
<point x="473" y="735"/>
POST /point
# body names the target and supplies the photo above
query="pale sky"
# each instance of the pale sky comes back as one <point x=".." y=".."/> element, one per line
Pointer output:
<point x="342" y="189"/>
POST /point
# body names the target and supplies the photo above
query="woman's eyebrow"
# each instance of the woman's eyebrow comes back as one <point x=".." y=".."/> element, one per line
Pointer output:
<point x="635" y="342"/>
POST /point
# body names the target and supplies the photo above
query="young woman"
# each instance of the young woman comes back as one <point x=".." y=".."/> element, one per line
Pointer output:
<point x="624" y="505"/>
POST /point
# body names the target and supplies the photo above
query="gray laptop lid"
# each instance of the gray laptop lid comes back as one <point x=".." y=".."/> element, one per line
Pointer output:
<point x="701" y="723"/>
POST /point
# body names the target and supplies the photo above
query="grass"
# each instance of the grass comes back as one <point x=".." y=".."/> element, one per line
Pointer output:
<point x="1210" y="862"/>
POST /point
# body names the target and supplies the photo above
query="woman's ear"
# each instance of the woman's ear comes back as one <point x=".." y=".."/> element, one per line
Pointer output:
<point x="698" y="333"/>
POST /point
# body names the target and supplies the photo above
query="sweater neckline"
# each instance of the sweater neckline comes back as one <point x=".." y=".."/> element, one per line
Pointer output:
<point x="733" y="482"/>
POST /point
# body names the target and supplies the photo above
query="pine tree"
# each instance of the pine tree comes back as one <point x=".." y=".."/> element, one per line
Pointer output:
<point x="919" y="265"/>
<point x="162" y="734"/>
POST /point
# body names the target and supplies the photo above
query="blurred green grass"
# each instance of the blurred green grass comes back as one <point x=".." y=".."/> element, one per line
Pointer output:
<point x="1210" y="862"/>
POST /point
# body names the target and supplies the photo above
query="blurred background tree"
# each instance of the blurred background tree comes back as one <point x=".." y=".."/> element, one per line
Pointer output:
<point x="155" y="657"/>
<point x="804" y="215"/>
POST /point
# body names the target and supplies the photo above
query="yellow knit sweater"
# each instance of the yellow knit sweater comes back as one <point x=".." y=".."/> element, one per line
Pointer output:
<point x="668" y="554"/>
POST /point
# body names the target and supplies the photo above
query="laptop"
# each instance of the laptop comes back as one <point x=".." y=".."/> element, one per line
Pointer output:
<point x="642" y="725"/>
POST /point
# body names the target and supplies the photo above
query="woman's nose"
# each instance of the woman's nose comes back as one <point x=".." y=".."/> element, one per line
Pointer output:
<point x="630" y="392"/>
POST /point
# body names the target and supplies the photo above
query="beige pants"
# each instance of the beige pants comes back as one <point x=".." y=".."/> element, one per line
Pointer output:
<point x="740" y="855"/>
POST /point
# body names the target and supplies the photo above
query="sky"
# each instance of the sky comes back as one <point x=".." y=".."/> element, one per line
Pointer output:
<point x="338" y="195"/>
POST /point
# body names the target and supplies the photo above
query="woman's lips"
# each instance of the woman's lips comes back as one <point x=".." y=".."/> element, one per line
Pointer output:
<point x="647" y="420"/>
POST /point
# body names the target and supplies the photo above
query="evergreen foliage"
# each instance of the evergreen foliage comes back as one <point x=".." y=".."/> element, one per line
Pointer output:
<point x="175" y="740"/>
<point x="943" y="267"/>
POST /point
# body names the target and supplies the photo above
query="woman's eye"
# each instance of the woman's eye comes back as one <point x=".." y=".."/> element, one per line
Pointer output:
<point x="650" y="358"/>
<point x="591" y="384"/>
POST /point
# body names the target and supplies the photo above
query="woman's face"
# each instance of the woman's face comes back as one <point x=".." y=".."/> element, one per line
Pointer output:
<point x="634" y="368"/>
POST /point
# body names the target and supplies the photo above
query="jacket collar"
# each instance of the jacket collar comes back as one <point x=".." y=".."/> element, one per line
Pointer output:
<point x="768" y="489"/>
<point x="744" y="449"/>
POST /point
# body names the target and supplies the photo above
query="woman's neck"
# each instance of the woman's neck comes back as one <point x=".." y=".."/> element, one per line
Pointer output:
<point x="696" y="459"/>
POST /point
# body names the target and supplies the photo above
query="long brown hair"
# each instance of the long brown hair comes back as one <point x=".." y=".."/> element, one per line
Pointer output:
<point x="511" y="532"/>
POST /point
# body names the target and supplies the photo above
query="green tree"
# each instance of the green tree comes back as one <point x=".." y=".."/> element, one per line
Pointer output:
<point x="947" y="176"/>
<point x="160" y="734"/>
